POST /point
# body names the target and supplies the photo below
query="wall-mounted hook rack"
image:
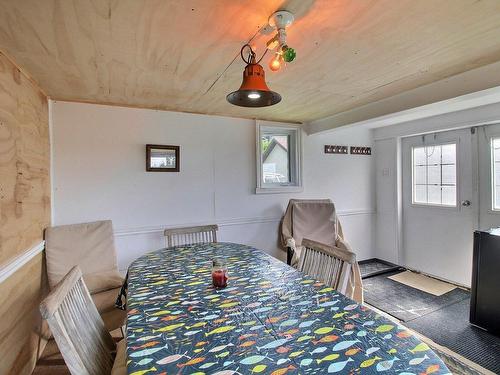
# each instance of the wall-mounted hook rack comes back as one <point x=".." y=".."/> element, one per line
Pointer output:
<point x="336" y="149"/>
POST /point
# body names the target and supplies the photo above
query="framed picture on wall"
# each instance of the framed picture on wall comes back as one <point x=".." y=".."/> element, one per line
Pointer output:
<point x="162" y="158"/>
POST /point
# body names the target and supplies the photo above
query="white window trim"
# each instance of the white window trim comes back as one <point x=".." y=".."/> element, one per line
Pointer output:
<point x="297" y="188"/>
<point x="457" y="193"/>
<point x="492" y="208"/>
<point x="489" y="206"/>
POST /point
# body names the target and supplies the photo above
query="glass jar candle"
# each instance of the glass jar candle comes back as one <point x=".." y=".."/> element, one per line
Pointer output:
<point x="219" y="273"/>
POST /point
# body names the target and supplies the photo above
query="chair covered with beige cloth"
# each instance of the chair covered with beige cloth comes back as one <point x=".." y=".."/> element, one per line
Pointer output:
<point x="316" y="220"/>
<point x="91" y="247"/>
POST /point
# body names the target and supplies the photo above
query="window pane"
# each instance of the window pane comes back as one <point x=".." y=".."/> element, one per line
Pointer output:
<point x="275" y="159"/>
<point x="449" y="175"/>
<point x="449" y="154"/>
<point x="449" y="195"/>
<point x="419" y="176"/>
<point x="497" y="173"/>
<point x="434" y="194"/>
<point x="433" y="155"/>
<point x="495" y="144"/>
<point x="435" y="175"/>
<point x="279" y="167"/>
<point x="419" y="157"/>
<point x="496" y="149"/>
<point x="496" y="184"/>
<point x="420" y="194"/>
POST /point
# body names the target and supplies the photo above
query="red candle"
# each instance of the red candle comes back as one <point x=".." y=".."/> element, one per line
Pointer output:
<point x="219" y="278"/>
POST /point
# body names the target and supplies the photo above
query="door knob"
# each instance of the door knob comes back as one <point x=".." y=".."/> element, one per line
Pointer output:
<point x="466" y="203"/>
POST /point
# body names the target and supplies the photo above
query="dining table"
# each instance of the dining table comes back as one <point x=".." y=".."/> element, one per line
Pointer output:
<point x="269" y="319"/>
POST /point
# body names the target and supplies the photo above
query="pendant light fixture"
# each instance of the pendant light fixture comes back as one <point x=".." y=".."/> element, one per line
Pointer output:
<point x="253" y="91"/>
<point x="280" y="20"/>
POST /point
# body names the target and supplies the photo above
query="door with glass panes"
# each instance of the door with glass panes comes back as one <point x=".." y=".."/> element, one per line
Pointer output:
<point x="438" y="204"/>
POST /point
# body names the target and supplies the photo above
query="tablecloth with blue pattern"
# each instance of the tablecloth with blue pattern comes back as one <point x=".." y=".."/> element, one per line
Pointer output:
<point x="270" y="319"/>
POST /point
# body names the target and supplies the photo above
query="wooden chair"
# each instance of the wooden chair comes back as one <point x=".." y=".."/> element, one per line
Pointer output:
<point x="84" y="342"/>
<point x="328" y="264"/>
<point x="190" y="235"/>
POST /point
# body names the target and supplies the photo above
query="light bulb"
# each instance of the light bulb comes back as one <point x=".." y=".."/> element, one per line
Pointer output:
<point x="275" y="63"/>
<point x="254" y="95"/>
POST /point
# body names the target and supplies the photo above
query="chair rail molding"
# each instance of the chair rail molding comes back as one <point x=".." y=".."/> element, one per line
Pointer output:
<point x="224" y="223"/>
<point x="16" y="263"/>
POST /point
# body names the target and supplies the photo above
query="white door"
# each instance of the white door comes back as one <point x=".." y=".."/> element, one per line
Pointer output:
<point x="439" y="205"/>
<point x="489" y="176"/>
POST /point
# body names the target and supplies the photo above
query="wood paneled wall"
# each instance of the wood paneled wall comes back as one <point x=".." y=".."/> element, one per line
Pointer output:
<point x="24" y="213"/>
<point x="21" y="323"/>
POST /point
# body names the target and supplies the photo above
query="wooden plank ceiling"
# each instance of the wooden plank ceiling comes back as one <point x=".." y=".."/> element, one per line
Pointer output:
<point x="168" y="54"/>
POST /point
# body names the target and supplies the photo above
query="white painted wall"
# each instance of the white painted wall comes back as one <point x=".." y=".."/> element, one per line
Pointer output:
<point x="99" y="173"/>
<point x="386" y="223"/>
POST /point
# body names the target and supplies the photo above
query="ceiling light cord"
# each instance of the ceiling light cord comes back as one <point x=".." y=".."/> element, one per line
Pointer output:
<point x="251" y="55"/>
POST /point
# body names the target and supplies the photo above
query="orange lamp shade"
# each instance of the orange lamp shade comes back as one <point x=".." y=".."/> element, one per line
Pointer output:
<point x="253" y="91"/>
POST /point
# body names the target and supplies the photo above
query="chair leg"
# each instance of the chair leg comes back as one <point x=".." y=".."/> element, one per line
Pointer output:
<point x="289" y="255"/>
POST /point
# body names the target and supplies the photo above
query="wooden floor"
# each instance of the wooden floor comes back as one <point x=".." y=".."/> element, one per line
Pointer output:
<point x="51" y="361"/>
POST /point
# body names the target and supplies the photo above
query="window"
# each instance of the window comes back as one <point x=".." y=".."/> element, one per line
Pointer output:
<point x="278" y="159"/>
<point x="495" y="154"/>
<point x="435" y="175"/>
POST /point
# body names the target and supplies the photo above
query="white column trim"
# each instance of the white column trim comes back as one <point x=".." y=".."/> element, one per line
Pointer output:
<point x="15" y="264"/>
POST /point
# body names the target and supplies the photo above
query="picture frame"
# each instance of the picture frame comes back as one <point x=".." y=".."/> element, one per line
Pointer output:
<point x="162" y="158"/>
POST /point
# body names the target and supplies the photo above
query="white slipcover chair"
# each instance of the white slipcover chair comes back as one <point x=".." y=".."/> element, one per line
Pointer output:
<point x="316" y="220"/>
<point x="91" y="247"/>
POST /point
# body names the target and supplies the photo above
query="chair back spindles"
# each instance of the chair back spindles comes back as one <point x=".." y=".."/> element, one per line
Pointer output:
<point x="79" y="331"/>
<point x="330" y="265"/>
<point x="190" y="235"/>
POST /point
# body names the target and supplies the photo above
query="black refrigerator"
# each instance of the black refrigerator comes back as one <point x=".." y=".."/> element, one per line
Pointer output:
<point x="485" y="287"/>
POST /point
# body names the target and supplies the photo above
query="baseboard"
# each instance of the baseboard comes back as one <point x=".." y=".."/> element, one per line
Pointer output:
<point x="364" y="261"/>
<point x="439" y="278"/>
<point x="392" y="267"/>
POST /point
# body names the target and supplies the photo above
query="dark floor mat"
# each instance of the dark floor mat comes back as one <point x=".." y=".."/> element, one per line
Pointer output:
<point x="404" y="302"/>
<point x="450" y="327"/>
<point x="374" y="266"/>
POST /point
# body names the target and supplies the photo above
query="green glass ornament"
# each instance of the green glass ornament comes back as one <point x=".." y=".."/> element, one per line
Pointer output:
<point x="289" y="54"/>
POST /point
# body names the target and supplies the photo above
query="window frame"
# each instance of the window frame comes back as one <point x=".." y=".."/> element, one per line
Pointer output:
<point x="295" y="159"/>
<point x="488" y="185"/>
<point x="492" y="207"/>
<point x="457" y="192"/>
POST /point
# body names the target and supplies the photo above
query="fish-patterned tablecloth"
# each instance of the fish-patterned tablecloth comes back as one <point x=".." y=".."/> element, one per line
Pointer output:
<point x="270" y="319"/>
